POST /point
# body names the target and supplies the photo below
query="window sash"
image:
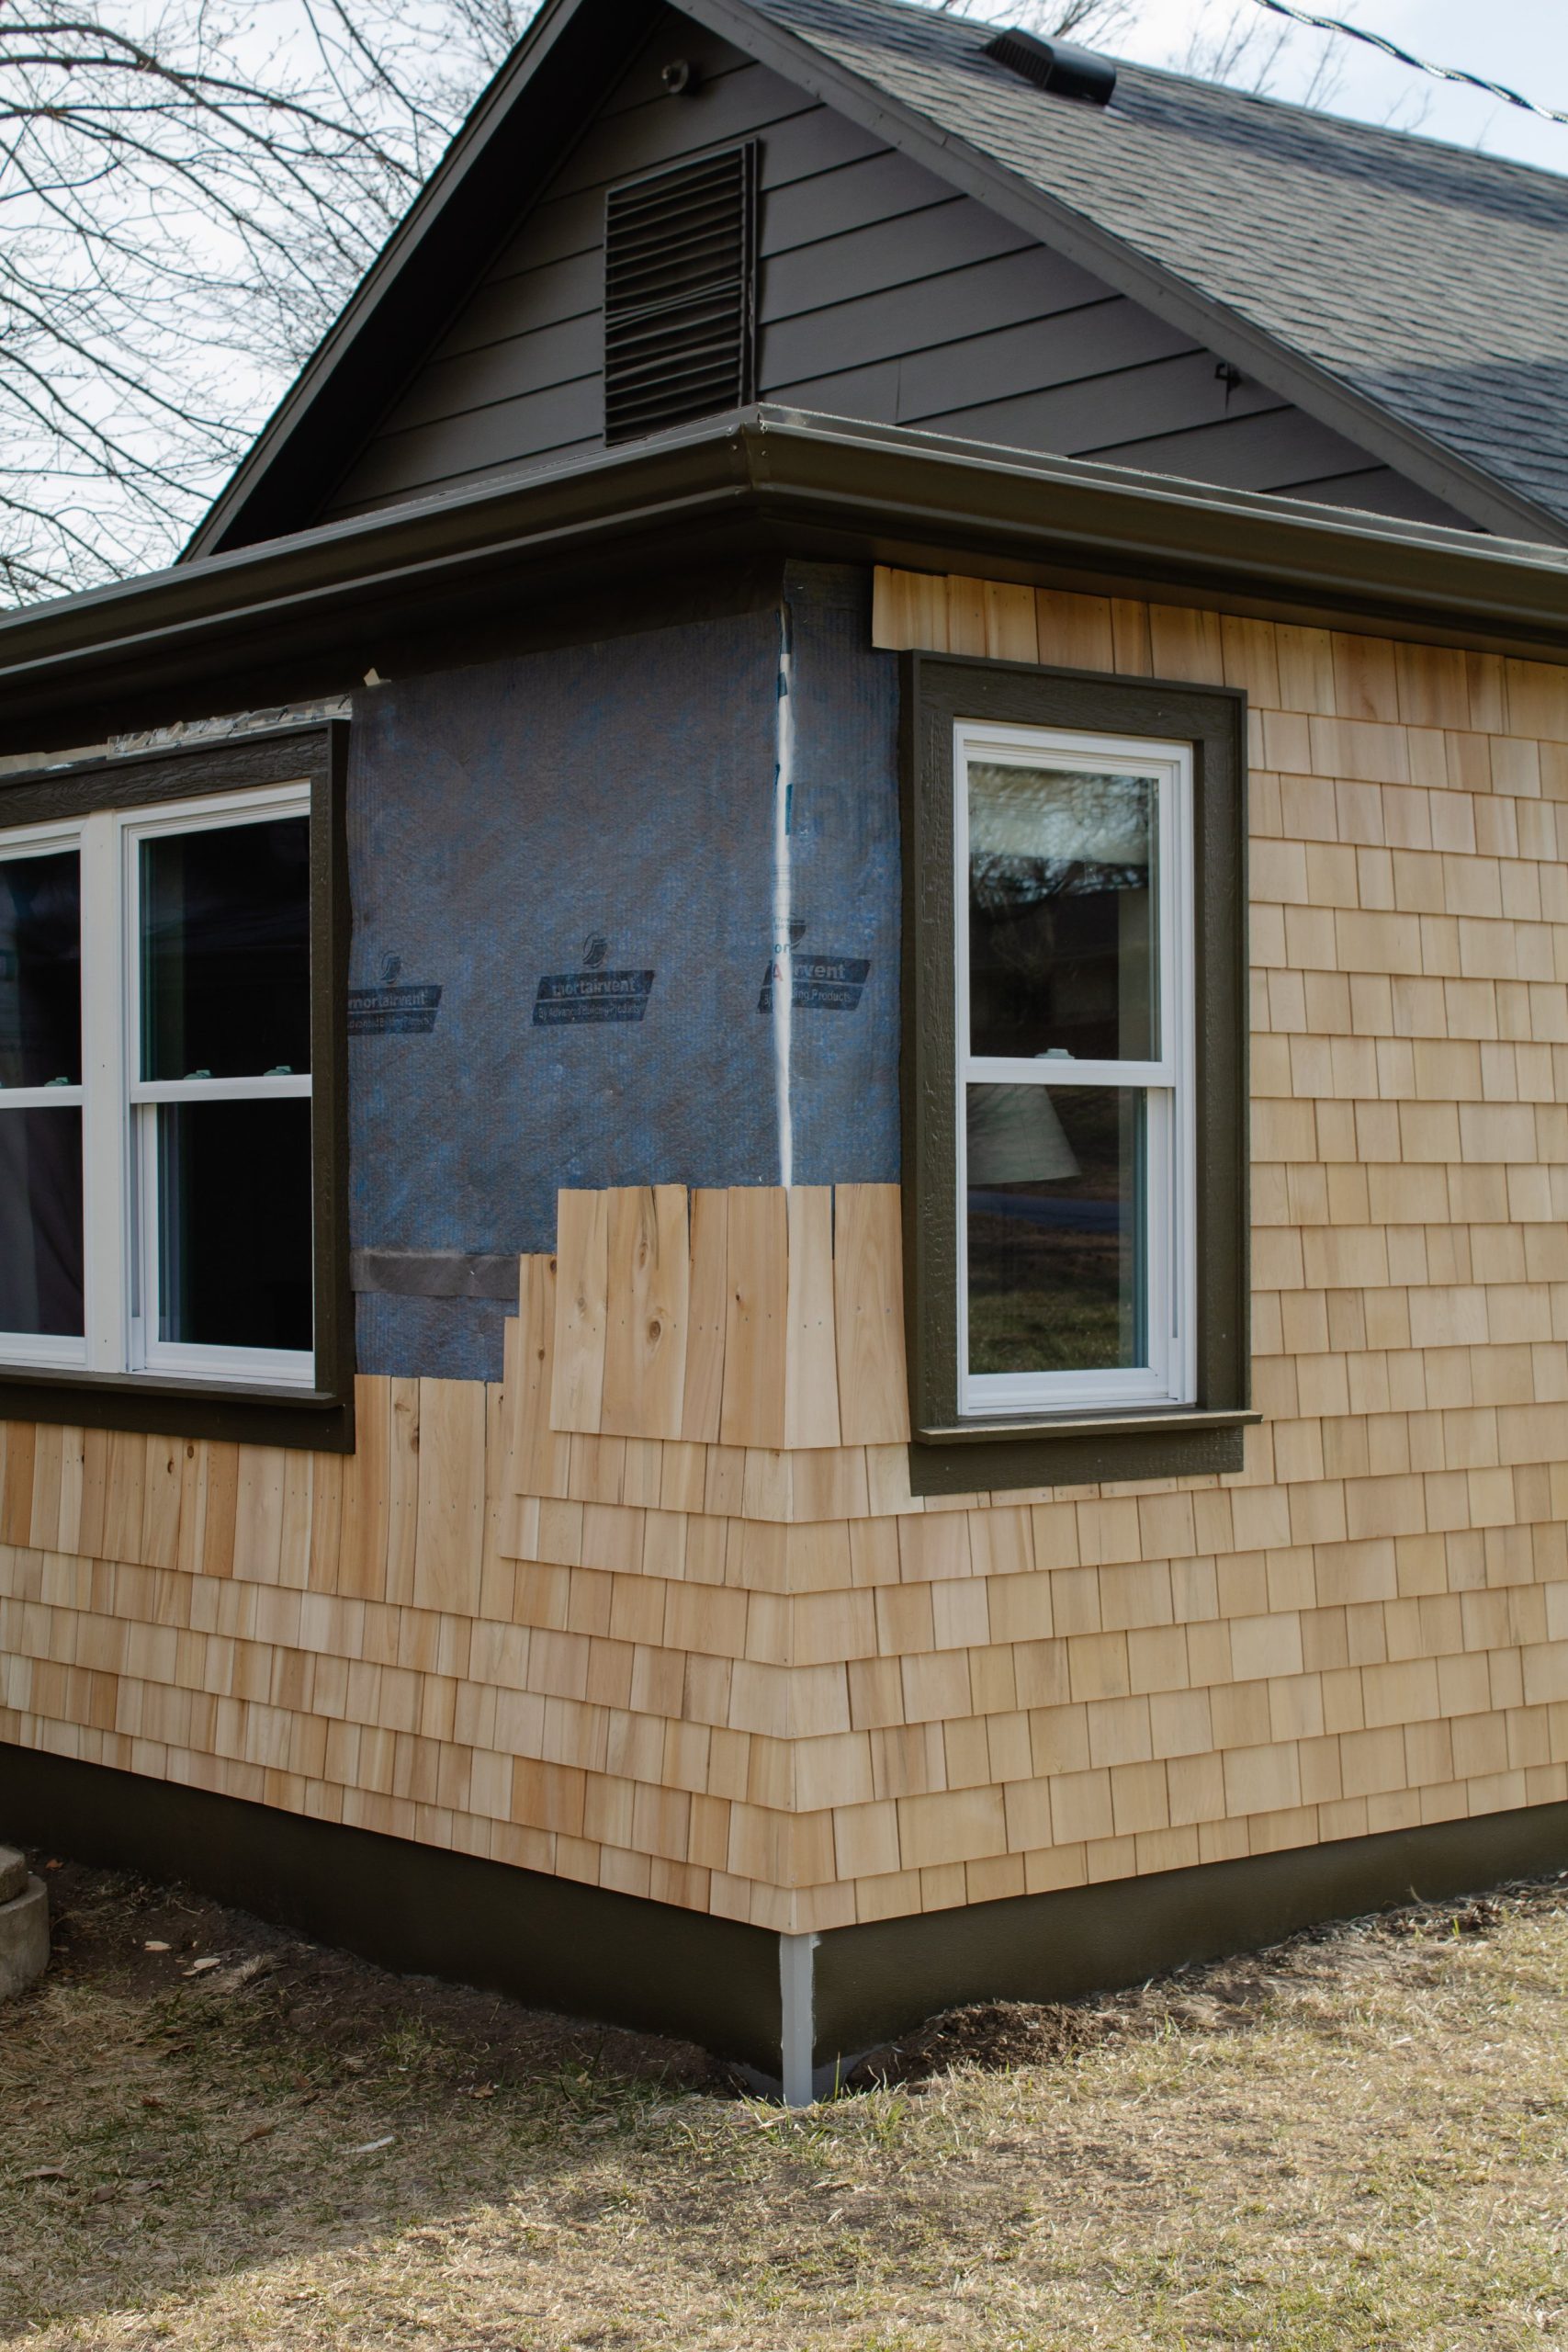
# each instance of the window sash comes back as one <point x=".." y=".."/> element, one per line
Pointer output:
<point x="28" y="841"/>
<point x="119" y="1109"/>
<point x="1167" y="1239"/>
<point x="146" y="1350"/>
<point x="183" y="1358"/>
<point x="51" y="1350"/>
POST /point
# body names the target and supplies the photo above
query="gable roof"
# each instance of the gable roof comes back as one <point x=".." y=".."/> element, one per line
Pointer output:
<point x="1417" y="283"/>
<point x="1412" y="296"/>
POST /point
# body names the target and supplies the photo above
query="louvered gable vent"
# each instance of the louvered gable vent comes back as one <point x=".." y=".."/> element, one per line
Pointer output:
<point x="680" y="306"/>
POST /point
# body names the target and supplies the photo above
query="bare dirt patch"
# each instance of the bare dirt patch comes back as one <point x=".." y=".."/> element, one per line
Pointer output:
<point x="213" y="2135"/>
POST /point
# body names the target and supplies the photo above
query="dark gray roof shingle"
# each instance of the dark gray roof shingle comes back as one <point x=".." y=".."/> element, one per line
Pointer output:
<point x="1427" y="278"/>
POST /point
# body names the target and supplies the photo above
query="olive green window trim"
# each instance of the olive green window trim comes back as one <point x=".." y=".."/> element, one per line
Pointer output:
<point x="950" y="1453"/>
<point x="319" y="1417"/>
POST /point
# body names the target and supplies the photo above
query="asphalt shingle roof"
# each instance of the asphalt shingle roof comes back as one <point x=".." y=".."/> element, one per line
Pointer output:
<point x="1430" y="279"/>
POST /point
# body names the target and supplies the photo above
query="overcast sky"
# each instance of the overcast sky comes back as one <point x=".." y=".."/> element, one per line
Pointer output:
<point x="1521" y="42"/>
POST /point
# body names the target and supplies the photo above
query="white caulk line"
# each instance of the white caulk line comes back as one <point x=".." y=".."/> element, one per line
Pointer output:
<point x="782" y="960"/>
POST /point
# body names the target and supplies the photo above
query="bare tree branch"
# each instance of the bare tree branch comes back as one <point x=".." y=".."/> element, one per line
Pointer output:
<point x="1101" y="19"/>
<point x="189" y="190"/>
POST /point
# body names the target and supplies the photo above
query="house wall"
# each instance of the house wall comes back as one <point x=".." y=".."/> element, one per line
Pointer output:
<point x="659" y="1611"/>
<point x="883" y="294"/>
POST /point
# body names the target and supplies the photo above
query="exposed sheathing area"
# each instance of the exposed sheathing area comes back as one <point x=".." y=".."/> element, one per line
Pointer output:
<point x="562" y="877"/>
<point x="844" y="886"/>
<point x="643" y="1616"/>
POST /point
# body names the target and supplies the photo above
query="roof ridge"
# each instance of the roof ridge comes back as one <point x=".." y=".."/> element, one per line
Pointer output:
<point x="1353" y="126"/>
<point x="1406" y="140"/>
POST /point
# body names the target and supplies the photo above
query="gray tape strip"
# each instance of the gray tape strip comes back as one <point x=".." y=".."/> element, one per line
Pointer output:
<point x="433" y="1273"/>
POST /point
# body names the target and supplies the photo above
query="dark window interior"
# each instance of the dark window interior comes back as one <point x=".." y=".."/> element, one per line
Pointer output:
<point x="1054" y="1229"/>
<point x="40" y="1223"/>
<point x="226" y="951"/>
<point x="41" y="1044"/>
<point x="41" y="970"/>
<point x="234" y="1224"/>
<point x="1062" y="886"/>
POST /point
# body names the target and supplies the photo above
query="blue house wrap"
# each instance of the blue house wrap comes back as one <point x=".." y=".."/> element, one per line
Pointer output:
<point x="562" y="875"/>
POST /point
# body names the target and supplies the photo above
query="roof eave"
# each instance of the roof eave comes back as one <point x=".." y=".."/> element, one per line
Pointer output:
<point x="170" y="645"/>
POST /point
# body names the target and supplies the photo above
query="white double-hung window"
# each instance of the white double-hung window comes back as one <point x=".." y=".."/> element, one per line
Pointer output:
<point x="155" y="1091"/>
<point x="1073" y="1065"/>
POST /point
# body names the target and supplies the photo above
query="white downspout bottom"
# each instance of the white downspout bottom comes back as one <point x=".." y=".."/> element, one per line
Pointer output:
<point x="797" y="2034"/>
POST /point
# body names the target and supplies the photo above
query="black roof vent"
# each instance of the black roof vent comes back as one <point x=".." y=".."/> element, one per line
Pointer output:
<point x="680" y="293"/>
<point x="1056" y="65"/>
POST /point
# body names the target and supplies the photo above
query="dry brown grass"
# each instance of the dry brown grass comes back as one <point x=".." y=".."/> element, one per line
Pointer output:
<point x="1356" y="2140"/>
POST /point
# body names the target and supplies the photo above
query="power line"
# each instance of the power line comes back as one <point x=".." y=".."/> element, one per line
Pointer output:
<point x="1391" y="49"/>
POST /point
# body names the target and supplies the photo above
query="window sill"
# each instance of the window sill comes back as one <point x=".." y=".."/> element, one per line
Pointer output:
<point x="318" y="1419"/>
<point x="1080" y="1449"/>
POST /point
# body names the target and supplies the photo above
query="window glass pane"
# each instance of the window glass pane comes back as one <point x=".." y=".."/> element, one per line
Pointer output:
<point x="234" y="1224"/>
<point x="40" y="1223"/>
<point x="225" y="951"/>
<point x="1062" y="891"/>
<point x="1057" y="1226"/>
<point x="41" y="970"/>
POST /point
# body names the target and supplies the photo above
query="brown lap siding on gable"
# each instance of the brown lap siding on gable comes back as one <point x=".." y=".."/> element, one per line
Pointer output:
<point x="884" y="293"/>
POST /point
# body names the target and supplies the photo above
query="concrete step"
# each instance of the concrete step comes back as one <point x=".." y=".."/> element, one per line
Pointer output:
<point x="13" y="1874"/>
<point x="24" y="1937"/>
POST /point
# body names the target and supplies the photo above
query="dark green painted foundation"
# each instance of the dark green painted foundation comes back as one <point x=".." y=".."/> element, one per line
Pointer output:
<point x="613" y="1957"/>
<point x="549" y="1941"/>
<point x="875" y="1981"/>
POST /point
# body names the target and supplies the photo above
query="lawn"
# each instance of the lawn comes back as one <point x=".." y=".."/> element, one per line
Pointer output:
<point x="213" y="2135"/>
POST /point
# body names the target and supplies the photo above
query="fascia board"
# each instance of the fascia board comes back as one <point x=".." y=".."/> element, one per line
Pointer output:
<point x="878" y="493"/>
<point x="1174" y="528"/>
<point x="1319" y="567"/>
<point x="334" y="569"/>
<point x="1323" y="395"/>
